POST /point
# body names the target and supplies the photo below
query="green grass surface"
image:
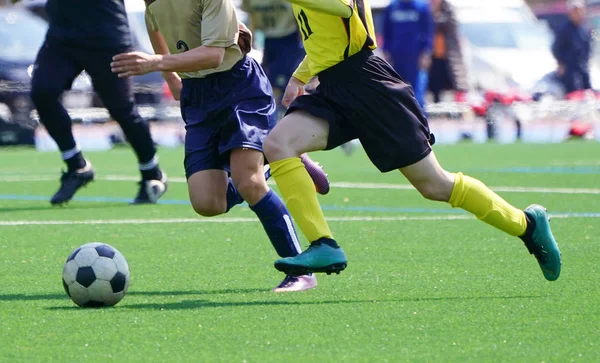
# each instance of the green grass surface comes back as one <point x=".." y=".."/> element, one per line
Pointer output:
<point x="415" y="290"/>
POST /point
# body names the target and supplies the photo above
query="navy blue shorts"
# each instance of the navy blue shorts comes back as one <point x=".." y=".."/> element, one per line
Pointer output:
<point x="363" y="98"/>
<point x="281" y="58"/>
<point x="225" y="111"/>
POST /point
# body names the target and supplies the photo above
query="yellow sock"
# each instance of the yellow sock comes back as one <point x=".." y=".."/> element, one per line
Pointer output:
<point x="473" y="196"/>
<point x="298" y="192"/>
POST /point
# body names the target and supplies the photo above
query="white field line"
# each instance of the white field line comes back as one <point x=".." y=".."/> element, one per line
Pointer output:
<point x="341" y="185"/>
<point x="252" y="220"/>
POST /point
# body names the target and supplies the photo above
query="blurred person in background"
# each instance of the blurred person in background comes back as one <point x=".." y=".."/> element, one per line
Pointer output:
<point x="84" y="35"/>
<point x="407" y="42"/>
<point x="448" y="71"/>
<point x="571" y="49"/>
<point x="283" y="49"/>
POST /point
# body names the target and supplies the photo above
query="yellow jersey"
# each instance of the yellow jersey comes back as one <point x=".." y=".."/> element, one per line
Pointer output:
<point x="332" y="30"/>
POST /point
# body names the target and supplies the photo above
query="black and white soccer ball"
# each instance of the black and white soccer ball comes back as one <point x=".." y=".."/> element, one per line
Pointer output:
<point x="96" y="275"/>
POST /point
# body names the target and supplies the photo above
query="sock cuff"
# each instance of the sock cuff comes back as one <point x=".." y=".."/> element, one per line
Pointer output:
<point x="68" y="154"/>
<point x="265" y="202"/>
<point x="150" y="164"/>
<point x="458" y="191"/>
<point x="284" y="166"/>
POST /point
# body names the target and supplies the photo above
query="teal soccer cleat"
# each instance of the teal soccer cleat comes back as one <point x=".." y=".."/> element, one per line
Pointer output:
<point x="541" y="243"/>
<point x="319" y="257"/>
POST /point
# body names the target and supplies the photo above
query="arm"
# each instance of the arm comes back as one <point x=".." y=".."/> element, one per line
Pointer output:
<point x="219" y="31"/>
<point x="296" y="84"/>
<point x="428" y="24"/>
<point x="429" y="29"/>
<point x="340" y="8"/>
<point x="160" y="47"/>
<point x="302" y="72"/>
<point x="558" y="48"/>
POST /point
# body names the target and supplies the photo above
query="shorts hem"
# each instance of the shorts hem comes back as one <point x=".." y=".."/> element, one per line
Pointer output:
<point x="405" y="163"/>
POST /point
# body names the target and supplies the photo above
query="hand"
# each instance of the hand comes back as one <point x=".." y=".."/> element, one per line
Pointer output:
<point x="134" y="64"/>
<point x="174" y="83"/>
<point x="425" y="61"/>
<point x="295" y="88"/>
<point x="244" y="38"/>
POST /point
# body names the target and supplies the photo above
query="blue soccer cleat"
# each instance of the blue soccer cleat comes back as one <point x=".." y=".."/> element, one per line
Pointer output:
<point x="541" y="243"/>
<point x="319" y="257"/>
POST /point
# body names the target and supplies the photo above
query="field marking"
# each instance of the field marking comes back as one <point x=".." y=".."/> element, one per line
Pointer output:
<point x="341" y="185"/>
<point x="253" y="220"/>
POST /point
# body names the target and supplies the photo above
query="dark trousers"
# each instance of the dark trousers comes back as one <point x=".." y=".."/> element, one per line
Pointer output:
<point x="575" y="80"/>
<point x="56" y="68"/>
<point x="440" y="78"/>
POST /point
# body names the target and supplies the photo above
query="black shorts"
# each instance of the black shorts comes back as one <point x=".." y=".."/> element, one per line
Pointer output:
<point x="363" y="98"/>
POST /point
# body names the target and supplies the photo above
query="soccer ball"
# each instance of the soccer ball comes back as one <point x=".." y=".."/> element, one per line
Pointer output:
<point x="96" y="275"/>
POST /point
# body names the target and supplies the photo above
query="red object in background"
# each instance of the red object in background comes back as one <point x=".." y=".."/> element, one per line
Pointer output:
<point x="580" y="129"/>
<point x="167" y="94"/>
<point x="507" y="98"/>
<point x="460" y="96"/>
<point x="581" y="95"/>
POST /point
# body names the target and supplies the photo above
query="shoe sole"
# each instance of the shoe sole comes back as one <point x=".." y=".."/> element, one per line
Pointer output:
<point x="301" y="270"/>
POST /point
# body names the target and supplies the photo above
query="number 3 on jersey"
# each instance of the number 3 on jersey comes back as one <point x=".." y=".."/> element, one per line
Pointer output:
<point x="304" y="26"/>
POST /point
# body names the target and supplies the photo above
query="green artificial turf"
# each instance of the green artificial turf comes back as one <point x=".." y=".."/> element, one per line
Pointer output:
<point x="416" y="289"/>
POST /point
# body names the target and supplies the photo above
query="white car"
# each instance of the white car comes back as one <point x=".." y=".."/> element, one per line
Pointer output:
<point x="505" y="47"/>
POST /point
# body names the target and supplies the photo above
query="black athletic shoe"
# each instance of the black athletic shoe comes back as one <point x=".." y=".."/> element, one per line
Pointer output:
<point x="70" y="183"/>
<point x="151" y="190"/>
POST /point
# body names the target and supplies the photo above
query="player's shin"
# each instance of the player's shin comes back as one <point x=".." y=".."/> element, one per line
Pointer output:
<point x="298" y="191"/>
<point x="278" y="225"/>
<point x="474" y="197"/>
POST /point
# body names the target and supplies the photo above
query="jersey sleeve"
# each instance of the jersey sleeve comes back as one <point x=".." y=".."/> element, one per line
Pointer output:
<point x="150" y="21"/>
<point x="219" y="23"/>
<point x="303" y="72"/>
<point x="340" y="8"/>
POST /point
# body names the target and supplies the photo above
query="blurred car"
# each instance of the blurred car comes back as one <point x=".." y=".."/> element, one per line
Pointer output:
<point x="21" y="36"/>
<point x="149" y="88"/>
<point x="505" y="46"/>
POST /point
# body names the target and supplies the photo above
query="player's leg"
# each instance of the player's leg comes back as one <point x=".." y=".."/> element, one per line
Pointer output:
<point x="117" y="96"/>
<point x="248" y="178"/>
<point x="282" y="56"/>
<point x="295" y="134"/>
<point x="462" y="191"/>
<point x="54" y="73"/>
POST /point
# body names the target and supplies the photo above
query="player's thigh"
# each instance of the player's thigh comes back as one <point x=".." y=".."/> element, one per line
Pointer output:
<point x="429" y="178"/>
<point x="207" y="190"/>
<point x="298" y="132"/>
<point x="116" y="93"/>
<point x="54" y="72"/>
<point x="204" y="169"/>
<point x="247" y="173"/>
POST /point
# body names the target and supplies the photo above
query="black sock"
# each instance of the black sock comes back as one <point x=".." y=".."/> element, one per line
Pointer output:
<point x="327" y="241"/>
<point x="529" y="230"/>
<point x="76" y="162"/>
<point x="152" y="174"/>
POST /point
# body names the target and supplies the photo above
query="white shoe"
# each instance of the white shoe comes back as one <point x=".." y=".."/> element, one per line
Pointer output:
<point x="296" y="283"/>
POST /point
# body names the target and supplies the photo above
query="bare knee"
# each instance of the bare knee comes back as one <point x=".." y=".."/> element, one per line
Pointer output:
<point x="277" y="147"/>
<point x="209" y="207"/>
<point x="252" y="189"/>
